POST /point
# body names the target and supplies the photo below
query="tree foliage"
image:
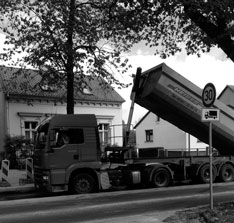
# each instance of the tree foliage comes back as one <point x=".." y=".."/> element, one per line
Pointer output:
<point x="172" y="25"/>
<point x="70" y="39"/>
<point x="65" y="40"/>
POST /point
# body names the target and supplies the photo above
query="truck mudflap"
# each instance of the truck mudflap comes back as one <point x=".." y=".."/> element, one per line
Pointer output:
<point x="105" y="180"/>
<point x="172" y="97"/>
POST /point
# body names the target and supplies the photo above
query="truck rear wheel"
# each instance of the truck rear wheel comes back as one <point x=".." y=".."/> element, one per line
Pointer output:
<point x="161" y="178"/>
<point x="204" y="174"/>
<point x="226" y="173"/>
<point x="83" y="184"/>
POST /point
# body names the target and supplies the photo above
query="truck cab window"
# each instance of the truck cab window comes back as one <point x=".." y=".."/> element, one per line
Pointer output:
<point x="41" y="136"/>
<point x="68" y="136"/>
<point x="76" y="136"/>
<point x="62" y="138"/>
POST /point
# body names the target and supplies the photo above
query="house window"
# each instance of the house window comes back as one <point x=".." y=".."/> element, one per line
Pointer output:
<point x="104" y="133"/>
<point x="149" y="135"/>
<point x="29" y="127"/>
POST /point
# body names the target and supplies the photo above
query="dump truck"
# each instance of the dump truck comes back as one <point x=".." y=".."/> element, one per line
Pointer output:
<point x="67" y="155"/>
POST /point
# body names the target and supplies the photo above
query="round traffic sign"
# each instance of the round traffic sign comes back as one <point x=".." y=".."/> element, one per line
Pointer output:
<point x="208" y="95"/>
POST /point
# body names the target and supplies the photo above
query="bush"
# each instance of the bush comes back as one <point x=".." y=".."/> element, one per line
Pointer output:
<point x="17" y="149"/>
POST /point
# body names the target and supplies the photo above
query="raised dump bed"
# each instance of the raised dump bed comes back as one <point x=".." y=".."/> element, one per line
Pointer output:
<point x="166" y="93"/>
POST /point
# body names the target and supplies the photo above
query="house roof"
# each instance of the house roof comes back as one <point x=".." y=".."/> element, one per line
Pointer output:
<point x="16" y="82"/>
<point x="231" y="87"/>
<point x="141" y="120"/>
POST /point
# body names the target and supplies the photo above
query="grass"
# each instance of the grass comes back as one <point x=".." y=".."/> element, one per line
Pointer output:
<point x="222" y="213"/>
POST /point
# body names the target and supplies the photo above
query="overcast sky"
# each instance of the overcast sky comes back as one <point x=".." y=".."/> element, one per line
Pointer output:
<point x="210" y="67"/>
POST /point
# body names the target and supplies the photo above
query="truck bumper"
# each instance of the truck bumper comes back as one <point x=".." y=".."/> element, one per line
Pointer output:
<point x="43" y="181"/>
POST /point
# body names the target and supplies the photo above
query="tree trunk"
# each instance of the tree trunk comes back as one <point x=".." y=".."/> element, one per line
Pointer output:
<point x="70" y="91"/>
<point x="70" y="60"/>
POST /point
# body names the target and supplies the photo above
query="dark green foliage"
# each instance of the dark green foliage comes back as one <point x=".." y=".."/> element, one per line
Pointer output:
<point x="17" y="149"/>
<point x="172" y="25"/>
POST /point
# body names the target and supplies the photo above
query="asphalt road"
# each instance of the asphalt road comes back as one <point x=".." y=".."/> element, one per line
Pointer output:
<point x="102" y="207"/>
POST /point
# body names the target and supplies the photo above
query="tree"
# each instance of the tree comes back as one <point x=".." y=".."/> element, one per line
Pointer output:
<point x="69" y="39"/>
<point x="203" y="24"/>
<point x="65" y="40"/>
<point x="171" y="25"/>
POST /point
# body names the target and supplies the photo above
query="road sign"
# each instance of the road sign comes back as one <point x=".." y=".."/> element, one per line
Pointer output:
<point x="208" y="95"/>
<point x="210" y="114"/>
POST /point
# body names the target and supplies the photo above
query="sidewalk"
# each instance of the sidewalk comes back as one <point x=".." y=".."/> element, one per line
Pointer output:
<point x="14" y="182"/>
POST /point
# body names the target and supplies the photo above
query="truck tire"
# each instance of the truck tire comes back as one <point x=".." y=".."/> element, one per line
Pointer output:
<point x="83" y="184"/>
<point x="226" y="173"/>
<point x="204" y="174"/>
<point x="161" y="178"/>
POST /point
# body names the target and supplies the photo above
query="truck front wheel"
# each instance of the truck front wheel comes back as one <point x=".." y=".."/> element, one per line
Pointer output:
<point x="161" y="178"/>
<point x="83" y="184"/>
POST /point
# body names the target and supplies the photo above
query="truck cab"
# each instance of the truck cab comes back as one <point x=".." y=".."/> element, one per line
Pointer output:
<point x="64" y="145"/>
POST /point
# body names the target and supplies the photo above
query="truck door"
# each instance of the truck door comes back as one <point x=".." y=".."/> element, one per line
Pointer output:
<point x="65" y="147"/>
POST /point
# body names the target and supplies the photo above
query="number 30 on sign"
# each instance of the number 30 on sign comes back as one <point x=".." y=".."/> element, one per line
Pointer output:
<point x="208" y="95"/>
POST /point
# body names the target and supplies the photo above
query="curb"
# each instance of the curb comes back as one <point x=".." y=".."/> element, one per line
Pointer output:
<point x="25" y="188"/>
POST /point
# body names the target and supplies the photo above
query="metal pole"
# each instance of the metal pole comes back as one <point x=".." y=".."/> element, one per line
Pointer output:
<point x="211" y="167"/>
<point x="133" y="95"/>
<point x="189" y="145"/>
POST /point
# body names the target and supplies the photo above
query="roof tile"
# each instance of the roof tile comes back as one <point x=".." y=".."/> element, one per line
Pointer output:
<point x="27" y="82"/>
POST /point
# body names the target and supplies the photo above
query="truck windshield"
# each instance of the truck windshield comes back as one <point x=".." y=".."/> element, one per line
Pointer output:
<point x="41" y="136"/>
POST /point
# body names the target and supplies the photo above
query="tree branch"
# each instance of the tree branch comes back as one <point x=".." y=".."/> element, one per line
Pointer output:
<point x="216" y="32"/>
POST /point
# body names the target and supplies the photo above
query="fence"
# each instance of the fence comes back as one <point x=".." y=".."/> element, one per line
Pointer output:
<point x="158" y="152"/>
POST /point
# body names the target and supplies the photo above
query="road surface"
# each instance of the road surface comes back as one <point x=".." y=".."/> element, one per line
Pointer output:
<point x="112" y="206"/>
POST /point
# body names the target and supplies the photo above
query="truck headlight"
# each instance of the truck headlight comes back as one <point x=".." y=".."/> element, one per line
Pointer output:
<point x="45" y="178"/>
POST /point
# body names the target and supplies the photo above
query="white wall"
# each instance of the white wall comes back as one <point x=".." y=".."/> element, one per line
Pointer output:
<point x="227" y="97"/>
<point x="105" y="113"/>
<point x="164" y="135"/>
<point x="195" y="143"/>
<point x="2" y="120"/>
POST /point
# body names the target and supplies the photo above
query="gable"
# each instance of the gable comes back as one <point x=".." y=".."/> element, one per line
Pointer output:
<point x="141" y="120"/>
<point x="27" y="83"/>
<point x="227" y="96"/>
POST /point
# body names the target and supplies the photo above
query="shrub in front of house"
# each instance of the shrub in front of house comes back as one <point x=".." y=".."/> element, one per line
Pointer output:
<point x="17" y="149"/>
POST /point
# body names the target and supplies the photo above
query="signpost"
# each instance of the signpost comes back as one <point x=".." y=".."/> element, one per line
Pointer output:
<point x="210" y="115"/>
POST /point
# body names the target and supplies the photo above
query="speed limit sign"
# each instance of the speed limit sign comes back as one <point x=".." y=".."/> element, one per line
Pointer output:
<point x="208" y="95"/>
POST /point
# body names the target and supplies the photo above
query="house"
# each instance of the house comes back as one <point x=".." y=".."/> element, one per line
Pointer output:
<point x="226" y="96"/>
<point x="155" y="132"/>
<point x="25" y="101"/>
